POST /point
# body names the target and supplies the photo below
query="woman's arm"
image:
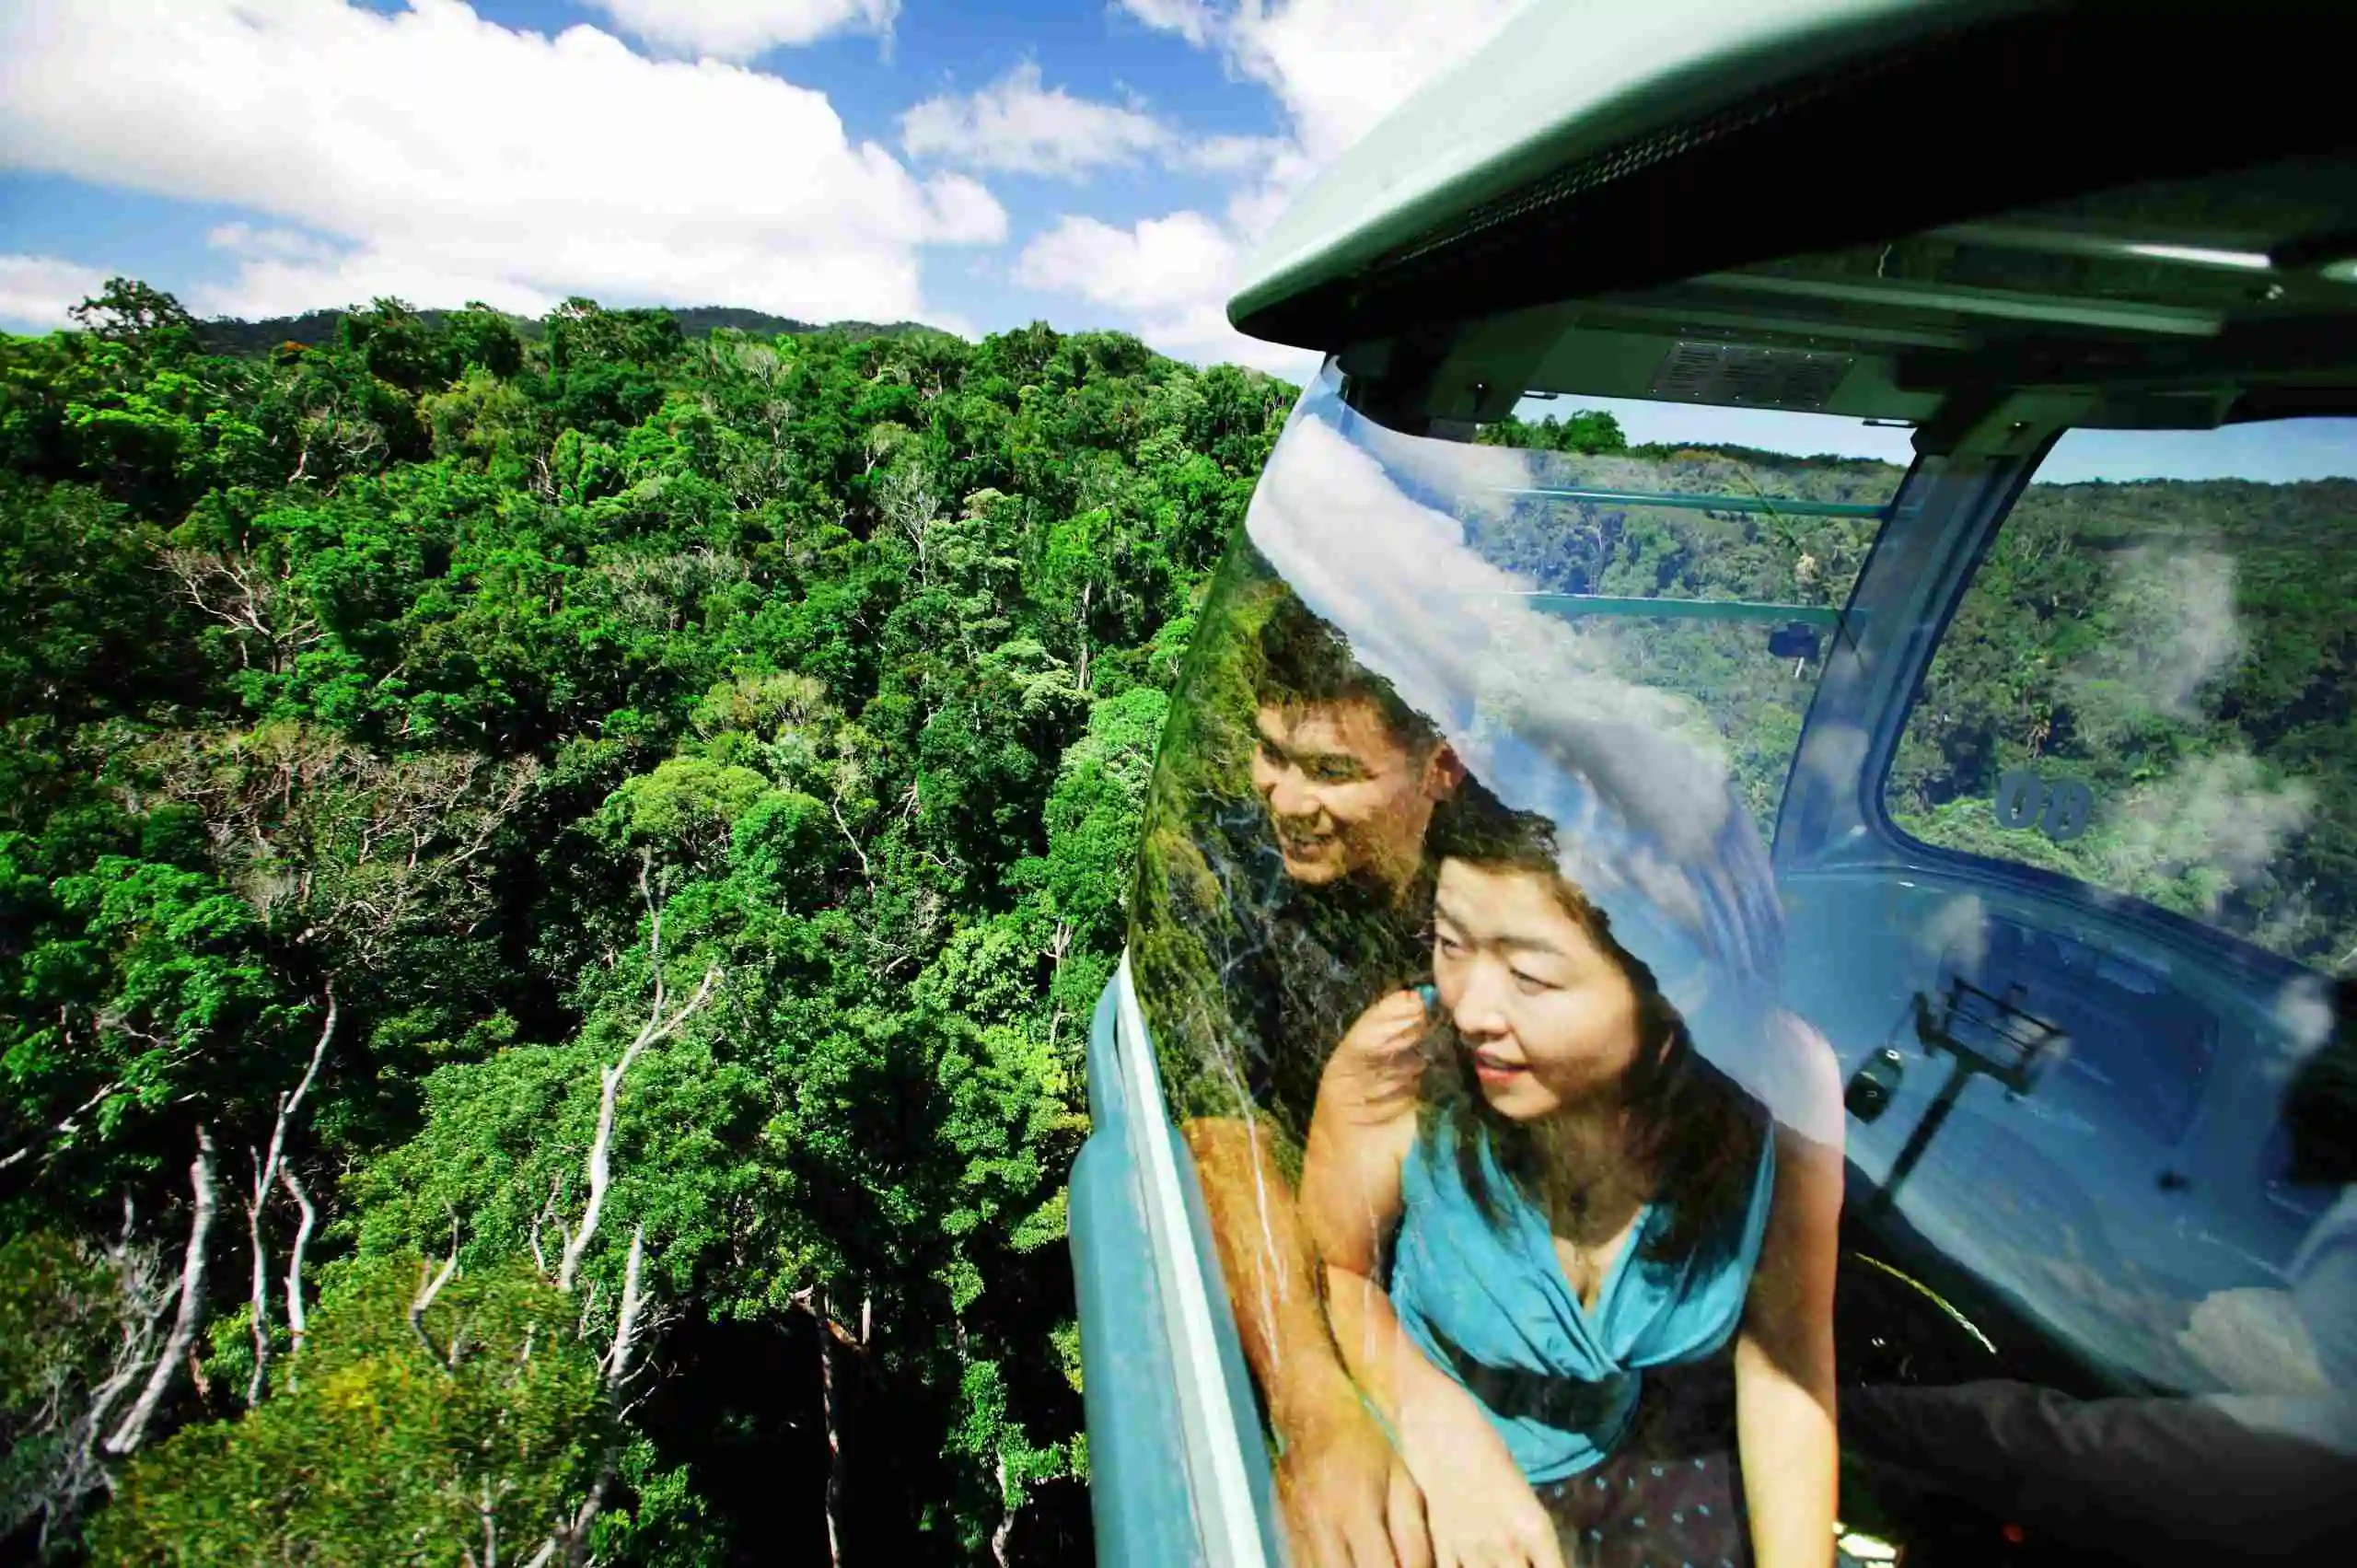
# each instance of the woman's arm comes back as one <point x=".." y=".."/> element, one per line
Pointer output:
<point x="1350" y="1203"/>
<point x="1783" y="1363"/>
<point x="1477" y="1507"/>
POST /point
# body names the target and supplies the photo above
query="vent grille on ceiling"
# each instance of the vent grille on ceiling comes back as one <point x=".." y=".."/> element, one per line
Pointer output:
<point x="1754" y="377"/>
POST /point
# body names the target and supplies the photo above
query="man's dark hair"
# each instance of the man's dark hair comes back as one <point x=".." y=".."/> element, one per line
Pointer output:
<point x="1306" y="661"/>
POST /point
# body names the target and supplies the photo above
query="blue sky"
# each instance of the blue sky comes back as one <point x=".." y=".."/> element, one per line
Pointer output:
<point x="2277" y="451"/>
<point x="976" y="164"/>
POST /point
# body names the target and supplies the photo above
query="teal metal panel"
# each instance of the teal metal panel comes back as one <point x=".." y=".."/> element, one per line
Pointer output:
<point x="1558" y="84"/>
<point x="1137" y="1463"/>
<point x="1257" y="1473"/>
<point x="1139" y="1469"/>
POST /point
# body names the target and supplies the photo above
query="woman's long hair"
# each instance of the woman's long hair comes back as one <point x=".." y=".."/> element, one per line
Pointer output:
<point x="1700" y="1133"/>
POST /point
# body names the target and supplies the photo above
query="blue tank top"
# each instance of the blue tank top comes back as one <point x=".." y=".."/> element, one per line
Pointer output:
<point x="1489" y="1304"/>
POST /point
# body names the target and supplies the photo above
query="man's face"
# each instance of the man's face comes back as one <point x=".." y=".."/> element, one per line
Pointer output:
<point x="1344" y="796"/>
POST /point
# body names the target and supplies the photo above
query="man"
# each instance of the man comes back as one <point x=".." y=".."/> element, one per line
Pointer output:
<point x="1317" y="902"/>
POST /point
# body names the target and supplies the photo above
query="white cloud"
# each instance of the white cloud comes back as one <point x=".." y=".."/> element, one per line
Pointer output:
<point x="1833" y="753"/>
<point x="1340" y="65"/>
<point x="2181" y="635"/>
<point x="278" y="244"/>
<point x="2226" y="817"/>
<point x="1015" y="124"/>
<point x="2304" y="1014"/>
<point x="37" y="291"/>
<point x="438" y="156"/>
<point x="1190" y="20"/>
<point x="1140" y="268"/>
<point x="739" y="30"/>
<point x="1336" y="67"/>
<point x="964" y="212"/>
<point x="1957" y="935"/>
<point x="1018" y="125"/>
<point x="1229" y="155"/>
<point x="1165" y="277"/>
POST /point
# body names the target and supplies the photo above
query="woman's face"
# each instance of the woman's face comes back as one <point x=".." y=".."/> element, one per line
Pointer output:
<point x="1549" y="1014"/>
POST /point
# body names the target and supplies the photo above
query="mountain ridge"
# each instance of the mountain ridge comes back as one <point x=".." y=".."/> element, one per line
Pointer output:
<point x="238" y="335"/>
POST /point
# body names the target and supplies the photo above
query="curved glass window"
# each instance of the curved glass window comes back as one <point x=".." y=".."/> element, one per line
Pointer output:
<point x="1457" y="939"/>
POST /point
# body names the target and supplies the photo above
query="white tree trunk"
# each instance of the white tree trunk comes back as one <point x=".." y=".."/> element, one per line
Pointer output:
<point x="834" y="1437"/>
<point x="601" y="1147"/>
<point x="57" y="1486"/>
<point x="1007" y="1511"/>
<point x="429" y="1285"/>
<point x="297" y="1319"/>
<point x="626" y="1320"/>
<point x="259" y="1311"/>
<point x="572" y="1538"/>
<point x="134" y="1430"/>
<point x="266" y="1172"/>
<point x="68" y="1123"/>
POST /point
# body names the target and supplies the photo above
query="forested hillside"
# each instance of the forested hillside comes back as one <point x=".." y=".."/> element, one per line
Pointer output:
<point x="2182" y="650"/>
<point x="550" y="894"/>
<point x="552" y="883"/>
<point x="314" y="329"/>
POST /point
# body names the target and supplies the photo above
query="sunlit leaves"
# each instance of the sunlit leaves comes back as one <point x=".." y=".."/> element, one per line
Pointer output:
<point x="386" y="659"/>
<point x="402" y="1447"/>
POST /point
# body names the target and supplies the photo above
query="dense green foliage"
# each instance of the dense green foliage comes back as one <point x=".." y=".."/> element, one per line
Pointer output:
<point x="1740" y="700"/>
<point x="680" y="794"/>
<point x="2184" y="650"/>
<point x="393" y="1446"/>
<point x="757" y="724"/>
<point x="2180" y="648"/>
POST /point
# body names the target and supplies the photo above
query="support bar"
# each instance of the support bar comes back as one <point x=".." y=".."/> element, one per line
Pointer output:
<point x="1777" y="505"/>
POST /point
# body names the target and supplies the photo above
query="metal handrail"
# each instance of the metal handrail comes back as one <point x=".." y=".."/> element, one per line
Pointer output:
<point x="1777" y="505"/>
<point x="1231" y="1524"/>
<point x="1825" y="617"/>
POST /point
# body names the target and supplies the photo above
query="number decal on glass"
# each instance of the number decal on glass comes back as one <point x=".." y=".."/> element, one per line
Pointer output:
<point x="2069" y="803"/>
<point x="2020" y="795"/>
<point x="2062" y="811"/>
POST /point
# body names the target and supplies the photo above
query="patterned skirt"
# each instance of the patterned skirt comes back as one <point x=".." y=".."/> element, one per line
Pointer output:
<point x="1671" y="1494"/>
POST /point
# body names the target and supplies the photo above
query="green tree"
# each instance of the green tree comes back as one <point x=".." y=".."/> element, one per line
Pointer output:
<point x="479" y="674"/>
<point x="460" y="1431"/>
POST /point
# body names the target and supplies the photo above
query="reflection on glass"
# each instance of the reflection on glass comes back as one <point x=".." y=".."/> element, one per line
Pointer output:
<point x="1455" y="878"/>
<point x="1569" y="1199"/>
<point x="2145" y="690"/>
<point x="2260" y="1474"/>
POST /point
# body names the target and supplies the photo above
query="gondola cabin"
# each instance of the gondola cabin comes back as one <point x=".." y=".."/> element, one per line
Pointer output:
<point x="1849" y="511"/>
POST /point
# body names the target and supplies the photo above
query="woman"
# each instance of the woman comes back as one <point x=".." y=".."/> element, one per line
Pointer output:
<point x="1575" y="1197"/>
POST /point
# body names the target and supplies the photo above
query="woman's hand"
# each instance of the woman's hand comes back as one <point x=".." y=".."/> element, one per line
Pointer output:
<point x="1480" y="1512"/>
<point x="1381" y="1059"/>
